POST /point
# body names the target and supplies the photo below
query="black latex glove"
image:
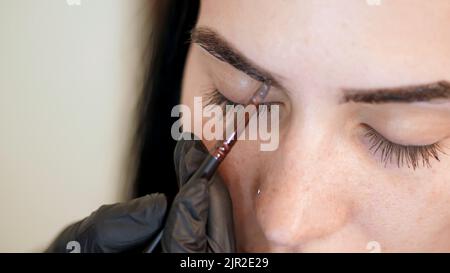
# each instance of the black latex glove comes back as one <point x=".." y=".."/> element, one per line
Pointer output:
<point x="116" y="228"/>
<point x="200" y="219"/>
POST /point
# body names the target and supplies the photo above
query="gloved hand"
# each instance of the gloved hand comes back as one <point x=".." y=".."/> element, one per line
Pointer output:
<point x="115" y="228"/>
<point x="200" y="219"/>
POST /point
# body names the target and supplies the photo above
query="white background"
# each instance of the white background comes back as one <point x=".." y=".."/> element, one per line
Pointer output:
<point x="69" y="81"/>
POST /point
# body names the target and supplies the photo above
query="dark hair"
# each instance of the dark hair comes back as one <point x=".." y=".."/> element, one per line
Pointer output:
<point x="171" y="26"/>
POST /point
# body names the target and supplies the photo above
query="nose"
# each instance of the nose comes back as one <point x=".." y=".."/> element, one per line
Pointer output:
<point x="303" y="196"/>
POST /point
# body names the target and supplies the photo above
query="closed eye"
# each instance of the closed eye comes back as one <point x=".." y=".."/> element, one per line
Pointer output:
<point x="412" y="156"/>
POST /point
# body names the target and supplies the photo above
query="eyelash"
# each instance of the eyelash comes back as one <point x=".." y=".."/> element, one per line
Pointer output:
<point x="409" y="155"/>
<point x="215" y="97"/>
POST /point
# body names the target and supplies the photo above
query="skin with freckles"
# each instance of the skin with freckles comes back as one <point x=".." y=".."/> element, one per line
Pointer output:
<point x="324" y="189"/>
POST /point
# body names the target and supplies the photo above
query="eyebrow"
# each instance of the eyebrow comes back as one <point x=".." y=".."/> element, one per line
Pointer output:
<point x="220" y="48"/>
<point x="403" y="94"/>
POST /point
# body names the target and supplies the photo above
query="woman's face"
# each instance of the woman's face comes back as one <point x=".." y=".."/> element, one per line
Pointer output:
<point x="348" y="78"/>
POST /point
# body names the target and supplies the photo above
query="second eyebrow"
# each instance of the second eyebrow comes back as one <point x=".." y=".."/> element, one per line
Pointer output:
<point x="407" y="94"/>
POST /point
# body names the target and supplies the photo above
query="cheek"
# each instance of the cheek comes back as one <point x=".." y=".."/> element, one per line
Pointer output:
<point x="241" y="172"/>
<point x="405" y="214"/>
<point x="241" y="169"/>
<point x="316" y="198"/>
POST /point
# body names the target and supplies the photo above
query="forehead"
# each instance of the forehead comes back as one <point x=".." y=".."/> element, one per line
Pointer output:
<point x="397" y="42"/>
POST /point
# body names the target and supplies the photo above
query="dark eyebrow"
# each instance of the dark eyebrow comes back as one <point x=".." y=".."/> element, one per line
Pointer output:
<point x="404" y="94"/>
<point x="220" y="48"/>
